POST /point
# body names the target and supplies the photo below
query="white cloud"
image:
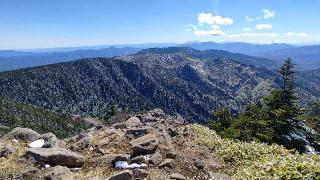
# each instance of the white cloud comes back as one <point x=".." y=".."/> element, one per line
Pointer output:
<point x="263" y="26"/>
<point x="208" y="18"/>
<point x="300" y="34"/>
<point x="267" y="13"/>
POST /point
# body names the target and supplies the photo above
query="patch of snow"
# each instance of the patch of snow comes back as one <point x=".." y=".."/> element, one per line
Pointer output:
<point x="310" y="149"/>
<point x="125" y="165"/>
<point x="147" y="157"/>
<point x="15" y="141"/>
<point x="47" y="166"/>
<point x="37" y="144"/>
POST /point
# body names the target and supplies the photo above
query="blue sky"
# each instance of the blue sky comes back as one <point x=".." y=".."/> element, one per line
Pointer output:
<point x="63" y="23"/>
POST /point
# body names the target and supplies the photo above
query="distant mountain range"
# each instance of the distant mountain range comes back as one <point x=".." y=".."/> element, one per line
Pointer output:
<point x="306" y="57"/>
<point x="238" y="47"/>
<point x="11" y="60"/>
<point x="271" y="55"/>
<point x="179" y="80"/>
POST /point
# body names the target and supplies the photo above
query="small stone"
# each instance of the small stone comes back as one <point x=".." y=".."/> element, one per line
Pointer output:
<point x="199" y="164"/>
<point x="123" y="175"/>
<point x="177" y="176"/>
<point x="171" y="154"/>
<point x="140" y="173"/>
<point x="166" y="163"/>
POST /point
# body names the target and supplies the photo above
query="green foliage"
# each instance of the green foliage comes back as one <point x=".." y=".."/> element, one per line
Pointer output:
<point x="252" y="160"/>
<point x="220" y="120"/>
<point x="14" y="114"/>
<point x="267" y="122"/>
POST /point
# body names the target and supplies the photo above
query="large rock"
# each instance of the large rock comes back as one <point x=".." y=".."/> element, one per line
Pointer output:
<point x="56" y="156"/>
<point x="22" y="134"/>
<point x="59" y="173"/>
<point x="50" y="140"/>
<point x="144" y="145"/>
<point x="133" y="122"/>
<point x="123" y="175"/>
<point x="134" y="133"/>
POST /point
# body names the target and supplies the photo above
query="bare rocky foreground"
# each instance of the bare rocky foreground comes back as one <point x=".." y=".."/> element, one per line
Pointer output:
<point x="149" y="145"/>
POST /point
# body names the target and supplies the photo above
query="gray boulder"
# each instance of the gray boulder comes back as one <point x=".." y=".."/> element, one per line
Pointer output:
<point x="50" y="140"/>
<point x="123" y="175"/>
<point x="22" y="134"/>
<point x="59" y="173"/>
<point x="56" y="156"/>
<point x="144" y="145"/>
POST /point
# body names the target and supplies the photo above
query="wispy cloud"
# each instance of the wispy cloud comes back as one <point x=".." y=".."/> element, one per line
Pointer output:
<point x="300" y="34"/>
<point x="263" y="26"/>
<point x="267" y="14"/>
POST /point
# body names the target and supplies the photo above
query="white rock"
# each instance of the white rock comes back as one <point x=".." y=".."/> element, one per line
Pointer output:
<point x="37" y="144"/>
<point x="15" y="141"/>
<point x="125" y="165"/>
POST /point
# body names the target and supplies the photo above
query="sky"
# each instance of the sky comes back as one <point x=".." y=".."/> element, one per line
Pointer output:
<point x="69" y="23"/>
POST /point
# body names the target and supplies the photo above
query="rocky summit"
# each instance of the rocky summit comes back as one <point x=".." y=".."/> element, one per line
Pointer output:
<point x="147" y="145"/>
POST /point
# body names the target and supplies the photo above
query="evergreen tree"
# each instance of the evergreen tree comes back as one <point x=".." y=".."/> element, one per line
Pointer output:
<point x="220" y="120"/>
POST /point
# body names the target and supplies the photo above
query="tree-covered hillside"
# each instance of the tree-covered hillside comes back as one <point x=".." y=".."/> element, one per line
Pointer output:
<point x="14" y="114"/>
<point x="178" y="80"/>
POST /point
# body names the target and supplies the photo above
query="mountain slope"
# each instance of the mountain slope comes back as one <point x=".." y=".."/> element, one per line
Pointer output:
<point x="14" y="114"/>
<point x="214" y="54"/>
<point x="15" y="61"/>
<point x="238" y="47"/>
<point x="192" y="84"/>
<point x="306" y="57"/>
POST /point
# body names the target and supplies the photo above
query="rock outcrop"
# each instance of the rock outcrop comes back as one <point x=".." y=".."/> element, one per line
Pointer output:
<point x="150" y="145"/>
<point x="56" y="156"/>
